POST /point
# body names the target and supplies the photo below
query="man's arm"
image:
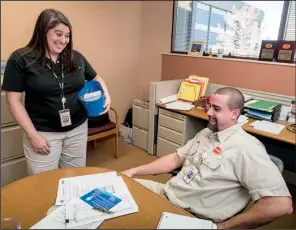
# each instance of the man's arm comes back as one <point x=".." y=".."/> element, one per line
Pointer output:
<point x="162" y="165"/>
<point x="264" y="211"/>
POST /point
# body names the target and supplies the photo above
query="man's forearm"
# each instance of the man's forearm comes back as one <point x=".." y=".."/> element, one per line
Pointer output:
<point x="162" y="165"/>
<point x="262" y="212"/>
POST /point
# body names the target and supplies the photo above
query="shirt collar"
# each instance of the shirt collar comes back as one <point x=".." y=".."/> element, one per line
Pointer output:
<point x="224" y="134"/>
<point x="55" y="66"/>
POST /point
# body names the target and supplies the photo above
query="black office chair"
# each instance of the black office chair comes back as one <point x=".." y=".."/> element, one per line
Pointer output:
<point x="278" y="162"/>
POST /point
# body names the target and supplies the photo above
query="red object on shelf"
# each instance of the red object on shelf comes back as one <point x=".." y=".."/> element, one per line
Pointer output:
<point x="285" y="51"/>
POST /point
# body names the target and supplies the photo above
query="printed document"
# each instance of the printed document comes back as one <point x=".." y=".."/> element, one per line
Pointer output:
<point x="174" y="221"/>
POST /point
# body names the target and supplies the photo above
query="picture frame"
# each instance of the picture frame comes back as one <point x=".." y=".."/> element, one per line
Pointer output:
<point x="196" y="48"/>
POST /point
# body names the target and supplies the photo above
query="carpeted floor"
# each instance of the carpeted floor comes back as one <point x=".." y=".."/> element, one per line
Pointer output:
<point x="131" y="156"/>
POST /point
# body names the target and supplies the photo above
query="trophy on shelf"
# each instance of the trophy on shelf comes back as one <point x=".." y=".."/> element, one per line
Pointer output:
<point x="285" y="51"/>
<point x="268" y="49"/>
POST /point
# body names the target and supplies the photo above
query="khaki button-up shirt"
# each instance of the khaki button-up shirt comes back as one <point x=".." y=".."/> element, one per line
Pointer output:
<point x="227" y="181"/>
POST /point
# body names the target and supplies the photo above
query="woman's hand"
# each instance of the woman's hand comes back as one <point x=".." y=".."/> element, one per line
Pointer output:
<point x="107" y="104"/>
<point x="40" y="144"/>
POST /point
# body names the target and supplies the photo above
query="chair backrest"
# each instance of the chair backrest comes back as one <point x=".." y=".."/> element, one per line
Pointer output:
<point x="278" y="162"/>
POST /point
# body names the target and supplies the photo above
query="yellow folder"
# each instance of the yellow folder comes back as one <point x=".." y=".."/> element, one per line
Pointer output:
<point x="205" y="81"/>
<point x="190" y="91"/>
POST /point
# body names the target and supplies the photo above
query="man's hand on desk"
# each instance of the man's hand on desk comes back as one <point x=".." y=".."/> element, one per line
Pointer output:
<point x="129" y="172"/>
<point x="220" y="225"/>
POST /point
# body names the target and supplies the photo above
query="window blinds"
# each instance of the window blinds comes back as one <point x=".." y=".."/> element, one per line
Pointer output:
<point x="290" y="31"/>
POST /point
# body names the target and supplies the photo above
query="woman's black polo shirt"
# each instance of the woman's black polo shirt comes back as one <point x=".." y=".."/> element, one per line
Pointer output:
<point x="42" y="92"/>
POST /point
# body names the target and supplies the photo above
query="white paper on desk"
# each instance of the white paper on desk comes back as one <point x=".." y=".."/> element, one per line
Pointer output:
<point x="174" y="221"/>
<point x="84" y="214"/>
<point x="168" y="99"/>
<point x="84" y="222"/>
<point x="77" y="188"/>
<point x="68" y="187"/>
<point x="69" y="211"/>
<point x="93" y="225"/>
<point x="56" y="220"/>
<point x="180" y="105"/>
<point x="268" y="126"/>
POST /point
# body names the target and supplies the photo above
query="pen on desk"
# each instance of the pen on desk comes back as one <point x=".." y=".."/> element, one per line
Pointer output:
<point x="103" y="210"/>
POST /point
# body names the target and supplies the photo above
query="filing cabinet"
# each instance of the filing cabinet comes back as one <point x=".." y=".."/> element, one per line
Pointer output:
<point x="11" y="142"/>
<point x="174" y="130"/>
<point x="13" y="161"/>
<point x="165" y="146"/>
<point x="140" y="137"/>
<point x="140" y="123"/>
<point x="13" y="170"/>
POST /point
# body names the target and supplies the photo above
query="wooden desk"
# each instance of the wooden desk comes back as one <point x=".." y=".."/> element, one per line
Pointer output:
<point x="285" y="135"/>
<point x="29" y="199"/>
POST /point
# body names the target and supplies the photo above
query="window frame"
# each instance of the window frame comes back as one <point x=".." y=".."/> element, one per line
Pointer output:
<point x="280" y="35"/>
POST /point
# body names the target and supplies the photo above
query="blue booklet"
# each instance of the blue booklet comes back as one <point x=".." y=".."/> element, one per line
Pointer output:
<point x="258" y="113"/>
<point x="100" y="199"/>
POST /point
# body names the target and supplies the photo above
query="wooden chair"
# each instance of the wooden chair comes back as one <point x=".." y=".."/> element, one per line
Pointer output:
<point x="106" y="130"/>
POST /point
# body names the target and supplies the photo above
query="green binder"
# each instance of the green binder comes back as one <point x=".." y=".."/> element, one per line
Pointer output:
<point x="266" y="106"/>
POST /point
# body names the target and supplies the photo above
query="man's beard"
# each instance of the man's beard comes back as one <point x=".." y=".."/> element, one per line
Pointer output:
<point x="213" y="127"/>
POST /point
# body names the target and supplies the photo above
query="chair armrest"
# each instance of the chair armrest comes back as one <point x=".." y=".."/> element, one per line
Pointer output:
<point x="116" y="113"/>
<point x="278" y="162"/>
<point x="175" y="171"/>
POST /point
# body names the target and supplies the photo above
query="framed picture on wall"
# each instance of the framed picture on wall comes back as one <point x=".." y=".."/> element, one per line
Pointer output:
<point x="196" y="48"/>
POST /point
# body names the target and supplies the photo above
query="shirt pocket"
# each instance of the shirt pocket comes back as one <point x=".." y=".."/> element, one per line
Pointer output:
<point x="213" y="161"/>
<point x="193" y="154"/>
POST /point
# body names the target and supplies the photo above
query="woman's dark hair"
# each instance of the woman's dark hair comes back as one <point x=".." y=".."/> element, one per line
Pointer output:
<point x="38" y="45"/>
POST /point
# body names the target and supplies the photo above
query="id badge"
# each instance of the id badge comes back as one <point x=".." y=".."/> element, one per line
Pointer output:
<point x="190" y="174"/>
<point x="65" y="117"/>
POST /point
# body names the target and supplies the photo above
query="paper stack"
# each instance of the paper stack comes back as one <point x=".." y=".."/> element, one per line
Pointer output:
<point x="168" y="99"/>
<point x="72" y="212"/>
<point x="203" y="80"/>
<point x="180" y="105"/>
<point x="263" y="110"/>
<point x="172" y="102"/>
<point x="268" y="126"/>
<point x="192" y="88"/>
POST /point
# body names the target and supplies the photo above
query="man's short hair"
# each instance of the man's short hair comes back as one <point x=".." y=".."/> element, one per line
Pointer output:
<point x="235" y="100"/>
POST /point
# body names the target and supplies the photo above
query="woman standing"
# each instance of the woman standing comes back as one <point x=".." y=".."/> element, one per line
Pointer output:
<point x="51" y="74"/>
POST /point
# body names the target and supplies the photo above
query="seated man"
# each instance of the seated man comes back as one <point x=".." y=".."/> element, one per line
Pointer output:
<point x="223" y="167"/>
